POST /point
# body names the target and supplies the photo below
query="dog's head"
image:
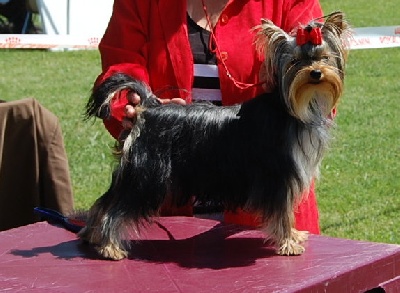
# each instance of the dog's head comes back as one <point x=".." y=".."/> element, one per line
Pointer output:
<point x="306" y="65"/>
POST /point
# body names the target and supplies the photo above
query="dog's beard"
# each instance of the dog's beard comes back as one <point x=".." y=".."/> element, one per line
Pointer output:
<point x="307" y="98"/>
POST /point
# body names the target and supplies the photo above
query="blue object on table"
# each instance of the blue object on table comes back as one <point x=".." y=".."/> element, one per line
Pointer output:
<point x="52" y="216"/>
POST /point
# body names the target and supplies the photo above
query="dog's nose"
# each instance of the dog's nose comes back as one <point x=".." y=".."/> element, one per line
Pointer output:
<point x="316" y="74"/>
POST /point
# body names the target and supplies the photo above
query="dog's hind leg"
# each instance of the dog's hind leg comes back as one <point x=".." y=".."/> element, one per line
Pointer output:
<point x="103" y="229"/>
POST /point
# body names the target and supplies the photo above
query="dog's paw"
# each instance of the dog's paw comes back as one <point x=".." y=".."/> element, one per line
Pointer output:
<point x="299" y="236"/>
<point x="290" y="247"/>
<point x="112" y="251"/>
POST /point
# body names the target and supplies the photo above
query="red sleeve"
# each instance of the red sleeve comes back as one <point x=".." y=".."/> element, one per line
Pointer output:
<point x="123" y="49"/>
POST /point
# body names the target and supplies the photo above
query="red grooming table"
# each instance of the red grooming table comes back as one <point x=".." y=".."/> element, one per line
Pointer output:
<point x="180" y="254"/>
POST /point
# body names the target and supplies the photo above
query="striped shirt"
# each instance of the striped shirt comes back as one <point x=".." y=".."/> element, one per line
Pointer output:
<point x="206" y="84"/>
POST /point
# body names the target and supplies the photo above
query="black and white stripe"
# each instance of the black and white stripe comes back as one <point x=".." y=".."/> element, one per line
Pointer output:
<point x="206" y="85"/>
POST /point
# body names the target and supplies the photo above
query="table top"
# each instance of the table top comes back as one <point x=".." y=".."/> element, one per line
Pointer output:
<point x="184" y="254"/>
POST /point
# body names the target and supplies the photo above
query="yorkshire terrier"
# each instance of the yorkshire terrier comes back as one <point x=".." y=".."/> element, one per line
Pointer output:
<point x="260" y="156"/>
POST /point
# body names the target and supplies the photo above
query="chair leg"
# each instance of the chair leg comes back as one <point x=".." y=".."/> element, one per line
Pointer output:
<point x="28" y="20"/>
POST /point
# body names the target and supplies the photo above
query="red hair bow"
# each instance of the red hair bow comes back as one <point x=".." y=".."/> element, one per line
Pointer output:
<point x="309" y="34"/>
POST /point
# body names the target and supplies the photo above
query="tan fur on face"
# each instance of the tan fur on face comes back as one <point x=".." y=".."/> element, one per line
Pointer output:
<point x="303" y="90"/>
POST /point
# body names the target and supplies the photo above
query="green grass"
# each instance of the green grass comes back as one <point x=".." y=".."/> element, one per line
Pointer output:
<point x="358" y="192"/>
<point x="359" y="188"/>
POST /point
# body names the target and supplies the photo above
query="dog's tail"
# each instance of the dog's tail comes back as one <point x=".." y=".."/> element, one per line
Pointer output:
<point x="102" y="94"/>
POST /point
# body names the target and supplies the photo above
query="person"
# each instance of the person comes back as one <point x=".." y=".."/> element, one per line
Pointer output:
<point x="196" y="49"/>
<point x="33" y="163"/>
<point x="18" y="16"/>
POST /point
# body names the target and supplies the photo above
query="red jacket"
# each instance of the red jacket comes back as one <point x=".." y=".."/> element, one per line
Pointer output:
<point x="149" y="40"/>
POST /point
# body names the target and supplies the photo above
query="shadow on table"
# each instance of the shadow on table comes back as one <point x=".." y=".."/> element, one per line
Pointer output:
<point x="214" y="249"/>
<point x="217" y="248"/>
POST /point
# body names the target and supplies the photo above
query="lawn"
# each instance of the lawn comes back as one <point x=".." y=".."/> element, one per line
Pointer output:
<point x="359" y="190"/>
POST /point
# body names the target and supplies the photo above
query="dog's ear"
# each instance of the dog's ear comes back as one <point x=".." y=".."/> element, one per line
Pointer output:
<point x="336" y="22"/>
<point x="268" y="37"/>
<point x="266" y="33"/>
<point x="269" y="30"/>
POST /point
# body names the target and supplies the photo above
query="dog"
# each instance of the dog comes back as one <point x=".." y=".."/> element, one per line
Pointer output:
<point x="260" y="156"/>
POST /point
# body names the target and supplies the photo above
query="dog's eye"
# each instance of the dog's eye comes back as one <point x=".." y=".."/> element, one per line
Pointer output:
<point x="324" y="57"/>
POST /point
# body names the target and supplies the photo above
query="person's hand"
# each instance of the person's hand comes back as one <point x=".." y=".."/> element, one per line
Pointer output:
<point x="134" y="100"/>
<point x="178" y="101"/>
<point x="130" y="111"/>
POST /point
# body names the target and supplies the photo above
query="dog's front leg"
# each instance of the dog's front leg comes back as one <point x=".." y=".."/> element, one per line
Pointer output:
<point x="291" y="245"/>
<point x="281" y="231"/>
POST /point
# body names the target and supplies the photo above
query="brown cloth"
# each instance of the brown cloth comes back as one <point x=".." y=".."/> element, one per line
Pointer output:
<point x="33" y="163"/>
